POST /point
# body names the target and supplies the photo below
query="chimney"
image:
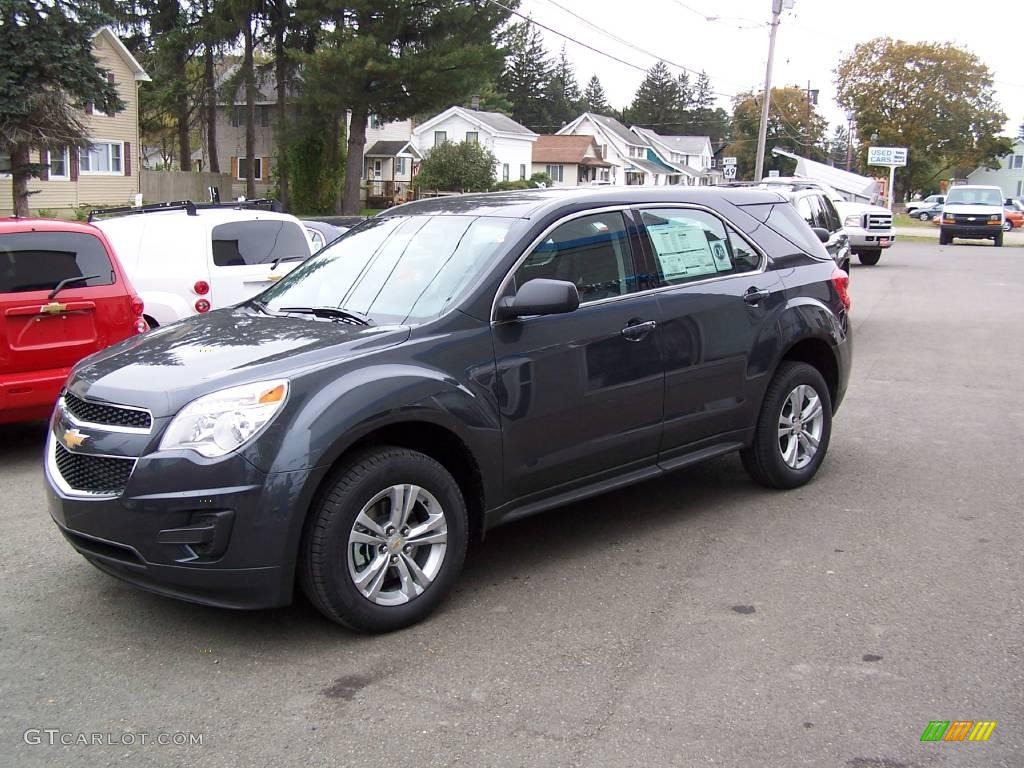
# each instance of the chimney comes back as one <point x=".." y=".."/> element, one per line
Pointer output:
<point x="475" y="103"/>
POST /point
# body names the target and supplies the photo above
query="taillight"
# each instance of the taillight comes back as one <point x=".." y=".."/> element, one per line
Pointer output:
<point x="202" y="305"/>
<point x="137" y="305"/>
<point x="201" y="287"/>
<point x="141" y="326"/>
<point x="841" y="281"/>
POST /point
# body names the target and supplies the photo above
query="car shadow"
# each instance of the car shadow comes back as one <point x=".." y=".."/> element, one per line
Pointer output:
<point x="18" y="441"/>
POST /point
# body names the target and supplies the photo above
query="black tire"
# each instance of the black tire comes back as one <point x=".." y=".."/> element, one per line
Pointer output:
<point x="923" y="216"/>
<point x="869" y="258"/>
<point x="998" y="240"/>
<point x="763" y="458"/>
<point x="1007" y="225"/>
<point x="152" y="323"/>
<point x="944" y="238"/>
<point x="323" y="567"/>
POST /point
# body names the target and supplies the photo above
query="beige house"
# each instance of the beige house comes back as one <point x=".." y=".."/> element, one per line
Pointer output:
<point x="569" y="160"/>
<point x="107" y="172"/>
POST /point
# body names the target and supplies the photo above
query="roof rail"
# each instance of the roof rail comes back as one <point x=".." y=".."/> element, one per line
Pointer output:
<point x="188" y="206"/>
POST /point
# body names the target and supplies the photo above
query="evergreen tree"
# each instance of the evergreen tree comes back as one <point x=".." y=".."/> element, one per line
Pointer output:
<point x="47" y="77"/>
<point x="594" y="98"/>
<point x="563" y="93"/>
<point x="658" y="103"/>
<point x="838" y="146"/>
<point x="527" y="76"/>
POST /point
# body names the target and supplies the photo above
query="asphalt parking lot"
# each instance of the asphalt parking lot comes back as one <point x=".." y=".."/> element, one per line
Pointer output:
<point x="694" y="620"/>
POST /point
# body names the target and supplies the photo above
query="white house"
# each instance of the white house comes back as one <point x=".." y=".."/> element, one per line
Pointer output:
<point x="626" y="152"/>
<point x="693" y="155"/>
<point x="510" y="142"/>
<point x="1009" y="176"/>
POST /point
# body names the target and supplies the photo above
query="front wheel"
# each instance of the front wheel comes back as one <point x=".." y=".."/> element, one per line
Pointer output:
<point x="924" y="216"/>
<point x="386" y="541"/>
<point x="869" y="258"/>
<point x="944" y="238"/>
<point x="1007" y="225"/>
<point x="998" y="239"/>
<point x="793" y="428"/>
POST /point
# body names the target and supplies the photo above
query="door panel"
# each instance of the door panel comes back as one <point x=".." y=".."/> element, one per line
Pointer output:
<point x="580" y="394"/>
<point x="715" y="305"/>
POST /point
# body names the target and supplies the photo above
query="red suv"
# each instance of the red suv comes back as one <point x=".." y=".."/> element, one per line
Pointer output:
<point x="63" y="295"/>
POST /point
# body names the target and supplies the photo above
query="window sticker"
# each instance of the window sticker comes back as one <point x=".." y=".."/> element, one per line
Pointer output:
<point x="685" y="252"/>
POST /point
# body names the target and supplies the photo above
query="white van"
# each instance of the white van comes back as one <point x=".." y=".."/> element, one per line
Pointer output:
<point x="190" y="258"/>
<point x="973" y="212"/>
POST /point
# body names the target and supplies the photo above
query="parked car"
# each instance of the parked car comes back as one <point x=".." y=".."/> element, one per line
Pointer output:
<point x="868" y="227"/>
<point x="321" y="233"/>
<point x="188" y="258"/>
<point x="450" y="365"/>
<point x="63" y="296"/>
<point x="974" y="212"/>
<point x="817" y="209"/>
<point x="933" y="211"/>
<point x="1013" y="218"/>
<point x="928" y="202"/>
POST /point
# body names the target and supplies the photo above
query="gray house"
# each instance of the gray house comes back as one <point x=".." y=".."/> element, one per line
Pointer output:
<point x="1009" y="176"/>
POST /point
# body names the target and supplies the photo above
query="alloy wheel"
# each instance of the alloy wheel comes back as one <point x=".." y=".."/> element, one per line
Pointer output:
<point x="800" y="426"/>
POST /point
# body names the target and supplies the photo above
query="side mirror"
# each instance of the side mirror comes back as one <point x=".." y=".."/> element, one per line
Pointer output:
<point x="822" y="234"/>
<point x="540" y="297"/>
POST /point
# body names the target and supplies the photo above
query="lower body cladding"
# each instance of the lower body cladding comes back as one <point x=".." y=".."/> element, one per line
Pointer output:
<point x="231" y="547"/>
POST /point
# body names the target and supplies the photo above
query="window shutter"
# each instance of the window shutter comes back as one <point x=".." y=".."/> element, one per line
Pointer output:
<point x="73" y="159"/>
<point x="44" y="160"/>
<point x="265" y="169"/>
<point x="127" y="158"/>
<point x="234" y="167"/>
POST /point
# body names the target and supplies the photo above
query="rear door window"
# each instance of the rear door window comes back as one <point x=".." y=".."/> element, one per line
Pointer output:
<point x="243" y="243"/>
<point x="694" y="245"/>
<point x="789" y="222"/>
<point x="38" y="261"/>
<point x="830" y="216"/>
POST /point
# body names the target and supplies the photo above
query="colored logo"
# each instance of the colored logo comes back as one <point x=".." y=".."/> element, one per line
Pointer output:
<point x="958" y="730"/>
<point x="73" y="438"/>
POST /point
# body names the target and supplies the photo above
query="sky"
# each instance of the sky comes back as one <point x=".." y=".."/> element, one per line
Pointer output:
<point x="729" y="39"/>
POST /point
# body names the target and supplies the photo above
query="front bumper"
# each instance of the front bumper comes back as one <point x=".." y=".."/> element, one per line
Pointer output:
<point x="974" y="231"/>
<point x="863" y="240"/>
<point x="216" y="532"/>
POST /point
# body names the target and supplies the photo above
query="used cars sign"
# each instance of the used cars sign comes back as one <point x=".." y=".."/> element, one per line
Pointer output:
<point x="887" y="156"/>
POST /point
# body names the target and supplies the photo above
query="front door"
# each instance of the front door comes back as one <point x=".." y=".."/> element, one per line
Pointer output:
<point x="580" y="394"/>
<point x="716" y="297"/>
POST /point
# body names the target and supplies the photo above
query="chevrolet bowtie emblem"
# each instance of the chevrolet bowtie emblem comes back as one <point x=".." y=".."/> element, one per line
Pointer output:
<point x="53" y="308"/>
<point x="73" y="438"/>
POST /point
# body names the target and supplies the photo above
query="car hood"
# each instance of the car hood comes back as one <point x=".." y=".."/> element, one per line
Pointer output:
<point x="166" y="368"/>
<point x="847" y="208"/>
<point x="978" y="210"/>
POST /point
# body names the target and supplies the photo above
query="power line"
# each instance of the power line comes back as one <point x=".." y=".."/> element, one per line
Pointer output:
<point x="722" y="19"/>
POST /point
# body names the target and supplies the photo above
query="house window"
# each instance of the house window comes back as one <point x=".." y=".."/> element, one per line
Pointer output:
<point x="472" y="137"/>
<point x="555" y="172"/>
<point x="440" y="137"/>
<point x="522" y="173"/>
<point x="236" y="117"/>
<point x="5" y="164"/>
<point x="400" y="166"/>
<point x="1017" y="161"/>
<point x="243" y="168"/>
<point x="264" y="116"/>
<point x="103" y="157"/>
<point x="59" y="164"/>
<point x="631" y="152"/>
<point x="376" y="123"/>
<point x="504" y="172"/>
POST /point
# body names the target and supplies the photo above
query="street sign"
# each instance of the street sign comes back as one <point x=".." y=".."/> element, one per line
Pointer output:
<point x="727" y="161"/>
<point x="773" y="174"/>
<point x="891" y="156"/>
<point x="729" y="171"/>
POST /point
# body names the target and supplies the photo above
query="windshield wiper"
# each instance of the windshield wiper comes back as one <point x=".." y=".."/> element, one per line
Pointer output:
<point x="279" y="259"/>
<point x="330" y="313"/>
<point x="68" y="281"/>
<point x="261" y="306"/>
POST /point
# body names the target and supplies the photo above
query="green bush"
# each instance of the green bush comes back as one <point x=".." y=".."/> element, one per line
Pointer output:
<point x="504" y="186"/>
<point x="464" y="167"/>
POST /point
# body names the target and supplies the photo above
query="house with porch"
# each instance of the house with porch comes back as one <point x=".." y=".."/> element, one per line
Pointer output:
<point x="390" y="160"/>
<point x="510" y="142"/>
<point x="107" y="171"/>
<point x="626" y="152"/>
<point x="570" y="161"/>
<point x="691" y="155"/>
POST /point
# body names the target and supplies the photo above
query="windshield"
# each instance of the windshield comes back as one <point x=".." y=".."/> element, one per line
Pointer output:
<point x="974" y="196"/>
<point x="394" y="270"/>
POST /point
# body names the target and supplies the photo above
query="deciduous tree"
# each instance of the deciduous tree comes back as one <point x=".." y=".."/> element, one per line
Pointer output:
<point x="935" y="99"/>
<point x="463" y="167"/>
<point x="793" y="124"/>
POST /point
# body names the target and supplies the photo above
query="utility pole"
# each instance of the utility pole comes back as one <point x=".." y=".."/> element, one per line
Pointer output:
<point x="762" y="135"/>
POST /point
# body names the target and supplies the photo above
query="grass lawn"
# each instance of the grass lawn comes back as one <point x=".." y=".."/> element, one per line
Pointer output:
<point x="902" y="220"/>
<point x="370" y="211"/>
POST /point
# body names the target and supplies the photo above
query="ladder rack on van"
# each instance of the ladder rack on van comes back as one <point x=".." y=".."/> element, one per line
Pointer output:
<point x="186" y="205"/>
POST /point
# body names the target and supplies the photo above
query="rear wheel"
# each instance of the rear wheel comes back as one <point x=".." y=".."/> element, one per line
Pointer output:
<point x="386" y="541"/>
<point x="1007" y="225"/>
<point x="793" y="428"/>
<point x="869" y="258"/>
<point x="924" y="216"/>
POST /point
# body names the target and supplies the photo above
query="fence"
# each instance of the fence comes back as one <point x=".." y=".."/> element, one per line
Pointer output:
<point x="165" y="186"/>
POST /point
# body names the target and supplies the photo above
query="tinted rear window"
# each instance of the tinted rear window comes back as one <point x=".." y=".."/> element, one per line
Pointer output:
<point x="257" y="242"/>
<point x="783" y="219"/>
<point x="38" y="261"/>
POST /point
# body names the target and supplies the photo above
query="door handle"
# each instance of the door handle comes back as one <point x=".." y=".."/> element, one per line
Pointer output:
<point x="755" y="295"/>
<point x="637" y="331"/>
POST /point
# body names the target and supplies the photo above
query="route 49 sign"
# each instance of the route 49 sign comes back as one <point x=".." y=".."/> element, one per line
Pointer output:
<point x="729" y="171"/>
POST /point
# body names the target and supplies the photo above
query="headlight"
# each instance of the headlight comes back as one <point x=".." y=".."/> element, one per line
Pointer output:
<point x="853" y="220"/>
<point x="218" y="423"/>
<point x="995" y="218"/>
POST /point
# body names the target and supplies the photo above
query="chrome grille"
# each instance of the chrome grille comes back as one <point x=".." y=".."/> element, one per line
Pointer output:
<point x="106" y="415"/>
<point x="92" y="474"/>
<point x="879" y="221"/>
